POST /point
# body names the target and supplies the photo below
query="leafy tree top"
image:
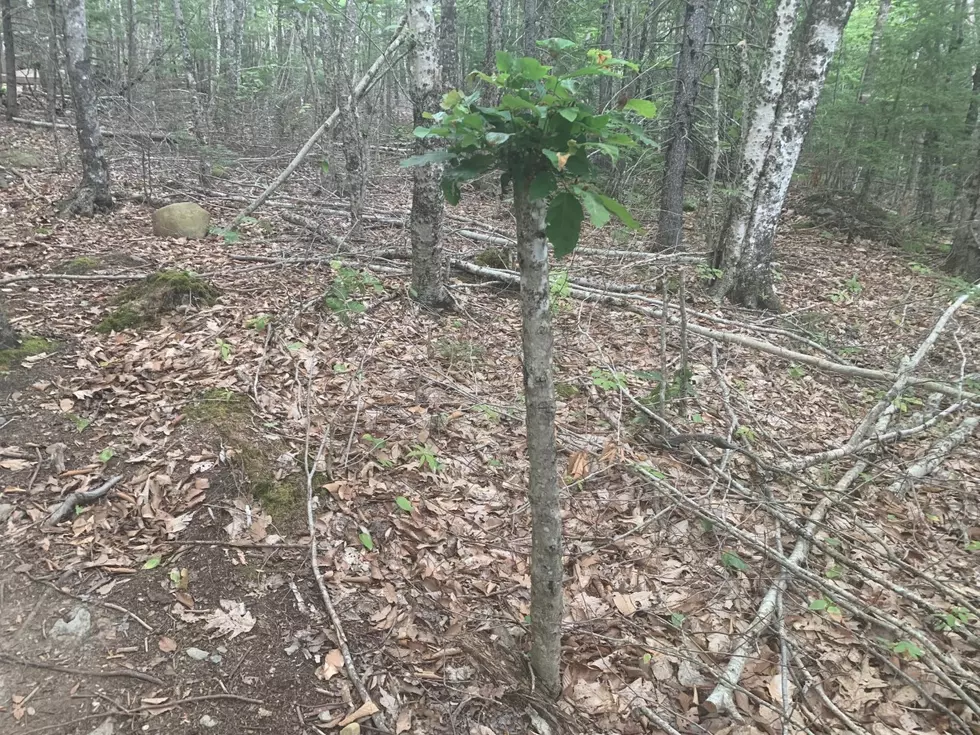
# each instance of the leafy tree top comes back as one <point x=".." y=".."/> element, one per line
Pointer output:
<point x="542" y="136"/>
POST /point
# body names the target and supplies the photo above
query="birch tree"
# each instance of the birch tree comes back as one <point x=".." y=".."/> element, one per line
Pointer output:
<point x="352" y="135"/>
<point x="9" y="57"/>
<point x="780" y="122"/>
<point x="93" y="193"/>
<point x="425" y="222"/>
<point x="689" y="68"/>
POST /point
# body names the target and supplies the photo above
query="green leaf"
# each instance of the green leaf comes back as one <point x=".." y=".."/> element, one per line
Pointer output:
<point x="530" y="68"/>
<point x="325" y="164"/>
<point x="504" y="61"/>
<point x="619" y="210"/>
<point x="153" y="562"/>
<point x="644" y="108"/>
<point x="513" y="102"/>
<point x="555" y="44"/>
<point x="366" y="541"/>
<point x="733" y="561"/>
<point x="106" y="454"/>
<point x="818" y="604"/>
<point x="564" y="222"/>
<point x="497" y="138"/>
<point x="231" y="237"/>
<point x="404" y="503"/>
<point x="551" y="156"/>
<point x="542" y="186"/>
<point x="438" y="156"/>
<point x="569" y="113"/>
<point x="598" y="214"/>
<point x="451" y="99"/>
<point x="419" y="132"/>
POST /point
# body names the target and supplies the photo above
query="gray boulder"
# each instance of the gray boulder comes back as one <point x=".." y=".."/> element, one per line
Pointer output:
<point x="183" y="219"/>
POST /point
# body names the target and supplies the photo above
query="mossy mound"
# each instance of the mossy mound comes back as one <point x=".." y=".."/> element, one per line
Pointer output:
<point x="29" y="347"/>
<point x="78" y="266"/>
<point x="280" y="491"/>
<point x="845" y="213"/>
<point x="499" y="258"/>
<point x="142" y="305"/>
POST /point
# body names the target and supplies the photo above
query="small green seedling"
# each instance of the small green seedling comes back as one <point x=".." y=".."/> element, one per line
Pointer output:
<point x="426" y="456"/>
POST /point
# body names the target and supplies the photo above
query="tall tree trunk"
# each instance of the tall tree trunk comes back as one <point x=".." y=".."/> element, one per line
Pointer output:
<point x="772" y="150"/>
<point x="449" y="46"/>
<point x="539" y="399"/>
<point x="866" y="88"/>
<point x="230" y="63"/>
<point x="606" y="43"/>
<point x="537" y="25"/>
<point x="689" y="69"/>
<point x="494" y="44"/>
<point x="197" y="107"/>
<point x="132" y="57"/>
<point x="428" y="266"/>
<point x="355" y="150"/>
<point x="9" y="57"/>
<point x="93" y="193"/>
<point x="964" y="255"/>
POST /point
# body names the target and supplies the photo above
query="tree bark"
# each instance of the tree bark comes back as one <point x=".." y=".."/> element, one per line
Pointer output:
<point x="352" y="136"/>
<point x="539" y="398"/>
<point x="606" y="43"/>
<point x="689" y="68"/>
<point x="197" y="108"/>
<point x="449" y="46"/>
<point x="772" y="147"/>
<point x="131" y="51"/>
<point x="9" y="57"/>
<point x="494" y="44"/>
<point x="93" y="194"/>
<point x="428" y="266"/>
<point x="537" y="25"/>
<point x="8" y="336"/>
<point x="964" y="255"/>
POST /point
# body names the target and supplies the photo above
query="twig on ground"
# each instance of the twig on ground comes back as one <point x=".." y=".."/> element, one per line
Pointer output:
<point x="78" y="499"/>
<point x="111" y="673"/>
<point x="935" y="455"/>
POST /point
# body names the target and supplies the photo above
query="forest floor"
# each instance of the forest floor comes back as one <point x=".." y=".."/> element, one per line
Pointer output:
<point x="185" y="600"/>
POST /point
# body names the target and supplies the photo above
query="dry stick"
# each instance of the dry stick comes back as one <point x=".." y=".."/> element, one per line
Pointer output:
<point x="89" y="600"/>
<point x="657" y="720"/>
<point x="66" y="277"/>
<point x="357" y="93"/>
<point x="77" y="499"/>
<point x="112" y="673"/>
<point x="721" y="696"/>
<point x="935" y="455"/>
<point x="135" y="134"/>
<point x="828" y="702"/>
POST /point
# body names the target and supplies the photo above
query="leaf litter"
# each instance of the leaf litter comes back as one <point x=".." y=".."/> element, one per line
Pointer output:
<point x="413" y="410"/>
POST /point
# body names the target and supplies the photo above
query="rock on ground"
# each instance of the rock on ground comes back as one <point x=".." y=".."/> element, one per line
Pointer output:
<point x="183" y="219"/>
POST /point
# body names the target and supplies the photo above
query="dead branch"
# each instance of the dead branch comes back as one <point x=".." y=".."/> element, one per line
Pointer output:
<point x="109" y="673"/>
<point x="79" y="499"/>
<point x="360" y="89"/>
<point x="934" y="457"/>
<point x="134" y="134"/>
<point x="67" y="277"/>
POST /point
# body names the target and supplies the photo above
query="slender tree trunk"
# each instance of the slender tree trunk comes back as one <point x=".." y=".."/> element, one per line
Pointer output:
<point x="494" y="41"/>
<point x="428" y="266"/>
<point x="772" y="149"/>
<point x="689" y="68"/>
<point x="539" y="399"/>
<point x="355" y="150"/>
<point x="606" y="42"/>
<point x="132" y="57"/>
<point x="197" y="107"/>
<point x="449" y="46"/>
<point x="9" y="57"/>
<point x="93" y="193"/>
<point x="964" y="255"/>
<point x="537" y="25"/>
<point x="971" y="113"/>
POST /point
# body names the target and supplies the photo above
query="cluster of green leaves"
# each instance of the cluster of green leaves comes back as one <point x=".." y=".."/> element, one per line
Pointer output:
<point x="346" y="290"/>
<point x="541" y="135"/>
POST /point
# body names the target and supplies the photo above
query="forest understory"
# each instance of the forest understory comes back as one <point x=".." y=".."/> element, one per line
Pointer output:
<point x="771" y="520"/>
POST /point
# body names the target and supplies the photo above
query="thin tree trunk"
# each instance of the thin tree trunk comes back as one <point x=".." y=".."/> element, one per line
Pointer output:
<point x="691" y="59"/>
<point x="494" y="41"/>
<point x="350" y="120"/>
<point x="964" y="255"/>
<point x="93" y="193"/>
<point x="539" y="399"/>
<point x="132" y="58"/>
<point x="428" y="266"/>
<point x="197" y="108"/>
<point x="9" y="57"/>
<point x="449" y="46"/>
<point x="8" y="336"/>
<point x="747" y="271"/>
<point x="606" y="42"/>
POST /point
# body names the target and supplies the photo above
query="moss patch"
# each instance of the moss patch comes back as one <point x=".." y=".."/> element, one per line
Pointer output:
<point x="79" y="265"/>
<point x="142" y="304"/>
<point x="29" y="346"/>
<point x="498" y="258"/>
<point x="281" y="495"/>
<point x="567" y="390"/>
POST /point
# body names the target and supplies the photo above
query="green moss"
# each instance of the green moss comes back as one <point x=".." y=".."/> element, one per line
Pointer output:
<point x="79" y="265"/>
<point x="456" y="351"/>
<point x="494" y="258"/>
<point x="142" y="304"/>
<point x="125" y="317"/>
<point x="567" y="390"/>
<point x="218" y="405"/>
<point x="29" y="346"/>
<point x="279" y="499"/>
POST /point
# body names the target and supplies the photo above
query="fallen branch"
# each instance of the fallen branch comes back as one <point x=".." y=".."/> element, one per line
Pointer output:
<point x="135" y="134"/>
<point x="940" y="449"/>
<point x="78" y="499"/>
<point x="358" y="92"/>
<point x="110" y="673"/>
<point x="67" y="277"/>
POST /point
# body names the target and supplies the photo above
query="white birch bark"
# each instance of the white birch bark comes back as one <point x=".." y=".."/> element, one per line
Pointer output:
<point x="428" y="266"/>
